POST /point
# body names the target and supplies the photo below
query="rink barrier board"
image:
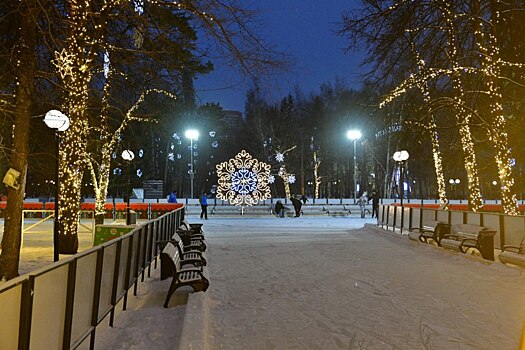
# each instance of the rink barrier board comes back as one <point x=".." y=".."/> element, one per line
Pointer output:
<point x="510" y="230"/>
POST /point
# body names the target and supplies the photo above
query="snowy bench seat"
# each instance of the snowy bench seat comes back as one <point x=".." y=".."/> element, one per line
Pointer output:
<point x="463" y="237"/>
<point x="431" y="230"/>
<point x="195" y="277"/>
<point x="512" y="254"/>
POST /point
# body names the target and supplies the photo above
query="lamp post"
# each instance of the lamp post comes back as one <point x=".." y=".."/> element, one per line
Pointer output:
<point x="453" y="186"/>
<point x="192" y="134"/>
<point x="128" y="156"/>
<point x="59" y="122"/>
<point x="400" y="157"/>
<point x="494" y="191"/>
<point x="354" y="135"/>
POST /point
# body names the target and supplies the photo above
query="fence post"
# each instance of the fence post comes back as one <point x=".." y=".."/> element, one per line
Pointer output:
<point x="70" y="298"/>
<point x="26" y="313"/>
<point x="115" y="281"/>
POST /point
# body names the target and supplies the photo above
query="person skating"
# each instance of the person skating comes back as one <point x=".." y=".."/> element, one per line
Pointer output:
<point x="172" y="197"/>
<point x="362" y="202"/>
<point x="279" y="209"/>
<point x="204" y="206"/>
<point x="304" y="199"/>
<point x="375" y="203"/>
<point x="297" y="204"/>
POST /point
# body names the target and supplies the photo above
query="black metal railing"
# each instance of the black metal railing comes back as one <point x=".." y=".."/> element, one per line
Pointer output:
<point x="61" y="305"/>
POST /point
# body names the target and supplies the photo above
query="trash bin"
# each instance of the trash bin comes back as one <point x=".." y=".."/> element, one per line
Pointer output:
<point x="132" y="217"/>
<point x="486" y="241"/>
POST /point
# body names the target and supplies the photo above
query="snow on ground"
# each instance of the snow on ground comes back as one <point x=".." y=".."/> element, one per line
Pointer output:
<point x="326" y="283"/>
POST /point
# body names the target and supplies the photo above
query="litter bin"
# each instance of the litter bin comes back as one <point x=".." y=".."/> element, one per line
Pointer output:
<point x="486" y="241"/>
<point x="132" y="217"/>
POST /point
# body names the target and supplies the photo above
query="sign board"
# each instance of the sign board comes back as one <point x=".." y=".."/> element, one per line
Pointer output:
<point x="153" y="189"/>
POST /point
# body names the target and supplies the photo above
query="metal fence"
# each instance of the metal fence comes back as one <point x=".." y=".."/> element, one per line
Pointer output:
<point x="509" y="229"/>
<point x="59" y="306"/>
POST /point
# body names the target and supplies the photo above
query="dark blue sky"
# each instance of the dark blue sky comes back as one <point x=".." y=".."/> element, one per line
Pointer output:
<point x="303" y="29"/>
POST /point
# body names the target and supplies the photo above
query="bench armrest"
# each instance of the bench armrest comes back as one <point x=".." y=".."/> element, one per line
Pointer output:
<point x="511" y="248"/>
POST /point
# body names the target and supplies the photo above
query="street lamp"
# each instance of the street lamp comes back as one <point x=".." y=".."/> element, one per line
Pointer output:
<point x="59" y="122"/>
<point x="400" y="157"/>
<point x="453" y="186"/>
<point x="128" y="156"/>
<point x="354" y="135"/>
<point x="192" y="134"/>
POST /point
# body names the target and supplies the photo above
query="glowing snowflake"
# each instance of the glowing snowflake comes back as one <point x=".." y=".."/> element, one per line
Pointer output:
<point x="243" y="180"/>
<point x="291" y="179"/>
<point x="271" y="179"/>
<point x="279" y="157"/>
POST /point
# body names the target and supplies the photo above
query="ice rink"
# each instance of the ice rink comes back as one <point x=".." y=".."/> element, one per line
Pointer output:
<point x="326" y="283"/>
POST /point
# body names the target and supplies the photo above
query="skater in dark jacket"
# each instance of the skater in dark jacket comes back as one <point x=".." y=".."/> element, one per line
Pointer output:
<point x="375" y="203"/>
<point x="297" y="204"/>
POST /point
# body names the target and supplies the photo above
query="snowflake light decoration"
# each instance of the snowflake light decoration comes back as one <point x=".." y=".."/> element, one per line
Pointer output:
<point x="271" y="179"/>
<point x="243" y="180"/>
<point x="279" y="157"/>
<point x="291" y="179"/>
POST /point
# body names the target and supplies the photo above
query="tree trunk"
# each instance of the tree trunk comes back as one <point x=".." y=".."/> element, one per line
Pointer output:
<point x="11" y="240"/>
<point x="74" y="68"/>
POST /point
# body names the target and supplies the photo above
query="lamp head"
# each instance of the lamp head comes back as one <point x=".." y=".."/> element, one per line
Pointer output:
<point x="400" y="156"/>
<point x="353" y="134"/>
<point x="128" y="155"/>
<point x="192" y="134"/>
<point x="56" y="120"/>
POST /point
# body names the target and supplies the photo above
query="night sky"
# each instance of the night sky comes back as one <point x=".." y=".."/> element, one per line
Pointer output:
<point x="303" y="29"/>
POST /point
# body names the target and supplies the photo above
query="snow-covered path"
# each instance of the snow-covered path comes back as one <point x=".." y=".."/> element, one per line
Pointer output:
<point x="327" y="283"/>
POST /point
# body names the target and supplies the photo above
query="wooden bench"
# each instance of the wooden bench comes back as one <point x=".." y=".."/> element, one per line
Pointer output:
<point x="462" y="237"/>
<point x="512" y="254"/>
<point x="195" y="258"/>
<point x="196" y="277"/>
<point x="431" y="230"/>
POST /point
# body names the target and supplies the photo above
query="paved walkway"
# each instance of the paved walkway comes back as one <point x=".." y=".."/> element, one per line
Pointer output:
<point x="327" y="283"/>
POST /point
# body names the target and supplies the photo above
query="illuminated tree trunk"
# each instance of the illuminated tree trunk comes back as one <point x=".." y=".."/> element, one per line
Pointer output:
<point x="73" y="65"/>
<point x="487" y="45"/>
<point x="26" y="68"/>
<point x="438" y="166"/>
<point x="283" y="174"/>
<point x="434" y="138"/>
<point x="101" y="183"/>
<point x="463" y="117"/>
<point x="317" y="178"/>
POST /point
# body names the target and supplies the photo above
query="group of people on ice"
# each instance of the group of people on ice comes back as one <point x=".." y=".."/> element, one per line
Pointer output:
<point x="297" y="203"/>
